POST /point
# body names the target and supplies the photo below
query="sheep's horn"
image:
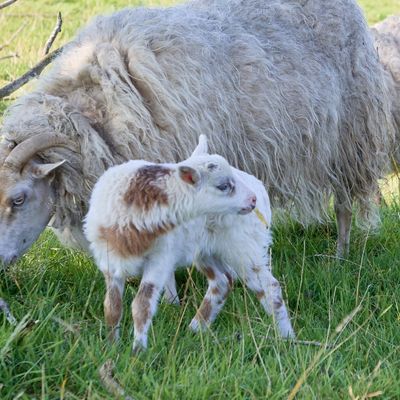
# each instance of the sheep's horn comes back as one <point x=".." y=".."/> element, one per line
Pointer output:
<point x="25" y="150"/>
<point x="4" y="151"/>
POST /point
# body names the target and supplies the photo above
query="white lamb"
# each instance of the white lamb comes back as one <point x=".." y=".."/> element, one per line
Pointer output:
<point x="147" y="219"/>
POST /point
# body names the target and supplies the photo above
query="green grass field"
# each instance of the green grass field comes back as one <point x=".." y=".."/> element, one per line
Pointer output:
<point x="240" y="357"/>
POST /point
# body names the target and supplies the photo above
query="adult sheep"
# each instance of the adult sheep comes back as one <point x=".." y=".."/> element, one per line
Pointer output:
<point x="387" y="42"/>
<point x="291" y="91"/>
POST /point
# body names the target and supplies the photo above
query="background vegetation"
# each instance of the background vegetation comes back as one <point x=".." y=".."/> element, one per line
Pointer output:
<point x="240" y="357"/>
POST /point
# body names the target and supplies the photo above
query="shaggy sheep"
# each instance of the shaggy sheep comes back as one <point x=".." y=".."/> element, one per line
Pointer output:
<point x="291" y="91"/>
<point x="148" y="219"/>
<point x="387" y="43"/>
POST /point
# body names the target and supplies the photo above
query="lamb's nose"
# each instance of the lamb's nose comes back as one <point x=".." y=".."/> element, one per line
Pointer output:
<point x="253" y="201"/>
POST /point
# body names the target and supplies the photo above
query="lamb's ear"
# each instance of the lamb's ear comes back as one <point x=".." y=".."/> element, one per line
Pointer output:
<point x="40" y="171"/>
<point x="189" y="175"/>
<point x="202" y="147"/>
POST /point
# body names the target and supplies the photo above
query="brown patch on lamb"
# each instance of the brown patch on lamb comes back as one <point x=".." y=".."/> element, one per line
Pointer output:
<point x="142" y="311"/>
<point x="112" y="306"/>
<point x="260" y="294"/>
<point x="204" y="312"/>
<point x="209" y="272"/>
<point x="128" y="241"/>
<point x="146" y="187"/>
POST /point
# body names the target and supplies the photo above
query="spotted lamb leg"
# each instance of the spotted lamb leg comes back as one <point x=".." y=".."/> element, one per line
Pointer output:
<point x="268" y="291"/>
<point x="144" y="306"/>
<point x="219" y="286"/>
<point x="113" y="304"/>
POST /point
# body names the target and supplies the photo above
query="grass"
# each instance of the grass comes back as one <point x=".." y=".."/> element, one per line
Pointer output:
<point x="240" y="357"/>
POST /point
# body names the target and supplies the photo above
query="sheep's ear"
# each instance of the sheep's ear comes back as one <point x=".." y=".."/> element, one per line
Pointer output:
<point x="202" y="147"/>
<point x="40" y="171"/>
<point x="189" y="175"/>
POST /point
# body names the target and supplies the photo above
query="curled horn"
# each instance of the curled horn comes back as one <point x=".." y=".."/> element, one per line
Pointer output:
<point x="24" y="151"/>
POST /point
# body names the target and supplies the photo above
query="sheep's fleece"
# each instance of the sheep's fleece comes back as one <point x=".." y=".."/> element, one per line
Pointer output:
<point x="289" y="90"/>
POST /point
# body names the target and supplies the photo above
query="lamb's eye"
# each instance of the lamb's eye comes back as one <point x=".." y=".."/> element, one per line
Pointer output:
<point x="19" y="200"/>
<point x="224" y="187"/>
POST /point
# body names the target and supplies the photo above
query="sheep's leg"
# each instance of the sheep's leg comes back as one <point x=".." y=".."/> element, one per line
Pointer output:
<point x="343" y="218"/>
<point x="219" y="286"/>
<point x="113" y="304"/>
<point x="260" y="280"/>
<point x="170" y="292"/>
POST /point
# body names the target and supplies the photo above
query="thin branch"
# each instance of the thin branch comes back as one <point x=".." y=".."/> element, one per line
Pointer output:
<point x="6" y="309"/>
<point x="7" y="3"/>
<point x="110" y="383"/>
<point x="12" y="55"/>
<point x="29" y="75"/>
<point x="13" y="36"/>
<point x="53" y="35"/>
<point x="307" y="343"/>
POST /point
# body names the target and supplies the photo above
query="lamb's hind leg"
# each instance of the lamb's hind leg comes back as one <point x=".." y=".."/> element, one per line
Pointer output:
<point x="343" y="219"/>
<point x="219" y="286"/>
<point x="260" y="280"/>
<point x="113" y="304"/>
<point x="170" y="292"/>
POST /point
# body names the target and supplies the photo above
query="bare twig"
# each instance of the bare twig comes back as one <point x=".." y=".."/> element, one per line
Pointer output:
<point x="29" y="75"/>
<point x="307" y="343"/>
<point x="110" y="383"/>
<point x="7" y="3"/>
<point x="53" y="35"/>
<point x="13" y="36"/>
<point x="30" y="15"/>
<point x="6" y="310"/>
<point x="13" y="55"/>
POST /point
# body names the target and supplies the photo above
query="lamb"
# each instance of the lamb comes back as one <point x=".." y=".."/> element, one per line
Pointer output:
<point x="147" y="219"/>
<point x="290" y="91"/>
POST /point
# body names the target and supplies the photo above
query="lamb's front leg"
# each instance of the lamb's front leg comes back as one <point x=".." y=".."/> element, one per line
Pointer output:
<point x="219" y="285"/>
<point x="113" y="304"/>
<point x="268" y="291"/>
<point x="159" y="267"/>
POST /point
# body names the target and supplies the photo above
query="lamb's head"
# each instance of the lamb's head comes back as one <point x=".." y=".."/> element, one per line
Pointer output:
<point x="215" y="188"/>
<point x="26" y="194"/>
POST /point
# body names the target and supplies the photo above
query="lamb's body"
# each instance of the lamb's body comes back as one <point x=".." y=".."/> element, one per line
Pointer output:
<point x="290" y="91"/>
<point x="182" y="234"/>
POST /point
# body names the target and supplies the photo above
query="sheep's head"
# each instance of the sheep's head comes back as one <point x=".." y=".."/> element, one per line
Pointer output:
<point x="26" y="194"/>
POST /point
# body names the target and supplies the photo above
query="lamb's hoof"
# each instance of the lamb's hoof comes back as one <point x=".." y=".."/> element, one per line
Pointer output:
<point x="194" y="325"/>
<point x="197" y="326"/>
<point x="138" y="348"/>
<point x="287" y="332"/>
<point x="113" y="336"/>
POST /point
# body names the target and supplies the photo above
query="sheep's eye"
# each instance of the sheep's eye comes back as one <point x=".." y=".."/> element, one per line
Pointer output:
<point x="18" y="201"/>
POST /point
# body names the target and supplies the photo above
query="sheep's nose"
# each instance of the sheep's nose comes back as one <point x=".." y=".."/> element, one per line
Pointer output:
<point x="253" y="201"/>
